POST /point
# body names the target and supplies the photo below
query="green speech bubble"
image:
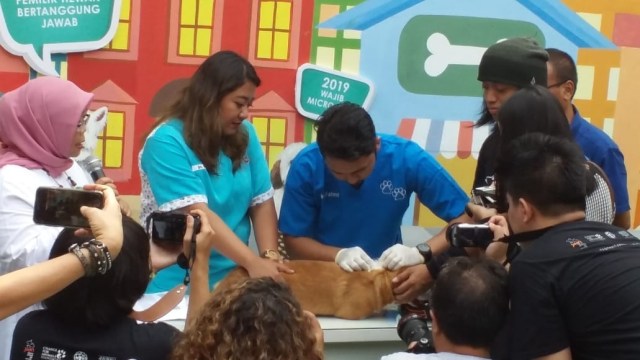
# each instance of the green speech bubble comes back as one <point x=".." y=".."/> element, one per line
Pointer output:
<point x="35" y="29"/>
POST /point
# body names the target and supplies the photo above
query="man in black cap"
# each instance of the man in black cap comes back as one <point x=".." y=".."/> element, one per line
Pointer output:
<point x="505" y="68"/>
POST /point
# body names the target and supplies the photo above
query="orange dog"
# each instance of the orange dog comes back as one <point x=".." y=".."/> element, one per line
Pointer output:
<point x="324" y="289"/>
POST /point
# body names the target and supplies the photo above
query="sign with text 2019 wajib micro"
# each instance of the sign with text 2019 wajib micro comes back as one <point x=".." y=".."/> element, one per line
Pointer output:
<point x="318" y="88"/>
<point x="35" y="29"/>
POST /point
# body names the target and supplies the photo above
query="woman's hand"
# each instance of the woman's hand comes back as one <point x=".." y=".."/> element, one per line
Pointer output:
<point x="267" y="268"/>
<point x="105" y="223"/>
<point x="204" y="238"/>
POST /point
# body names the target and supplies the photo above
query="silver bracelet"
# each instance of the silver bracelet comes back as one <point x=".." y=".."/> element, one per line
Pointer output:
<point x="89" y="269"/>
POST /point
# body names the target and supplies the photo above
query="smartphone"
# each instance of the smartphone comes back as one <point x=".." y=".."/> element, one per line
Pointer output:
<point x="469" y="235"/>
<point x="169" y="227"/>
<point x="56" y="206"/>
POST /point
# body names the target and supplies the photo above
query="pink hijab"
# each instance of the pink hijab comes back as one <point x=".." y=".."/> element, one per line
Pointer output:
<point x="38" y="122"/>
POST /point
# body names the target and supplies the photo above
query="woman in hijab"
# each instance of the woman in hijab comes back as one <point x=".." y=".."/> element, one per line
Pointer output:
<point x="42" y="127"/>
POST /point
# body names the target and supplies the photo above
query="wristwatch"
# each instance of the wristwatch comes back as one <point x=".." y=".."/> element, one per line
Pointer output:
<point x="425" y="250"/>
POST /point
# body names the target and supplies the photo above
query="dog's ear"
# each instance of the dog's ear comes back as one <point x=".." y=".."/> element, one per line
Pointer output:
<point x="276" y="179"/>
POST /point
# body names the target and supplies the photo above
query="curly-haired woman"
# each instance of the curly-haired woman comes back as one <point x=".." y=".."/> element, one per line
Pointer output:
<point x="255" y="319"/>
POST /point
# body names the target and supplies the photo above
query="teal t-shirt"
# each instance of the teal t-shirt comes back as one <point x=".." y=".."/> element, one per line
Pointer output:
<point x="173" y="177"/>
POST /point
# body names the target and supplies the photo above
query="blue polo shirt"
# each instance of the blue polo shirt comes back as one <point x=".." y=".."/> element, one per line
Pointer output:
<point x="319" y="206"/>
<point x="598" y="147"/>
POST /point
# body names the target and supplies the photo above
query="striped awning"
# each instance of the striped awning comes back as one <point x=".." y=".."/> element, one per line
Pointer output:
<point x="450" y="138"/>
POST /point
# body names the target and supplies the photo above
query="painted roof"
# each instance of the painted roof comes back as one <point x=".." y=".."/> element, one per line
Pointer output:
<point x="553" y="12"/>
<point x="449" y="138"/>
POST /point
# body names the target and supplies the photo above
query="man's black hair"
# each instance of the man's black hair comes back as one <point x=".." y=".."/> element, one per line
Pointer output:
<point x="563" y="66"/>
<point x="470" y="301"/>
<point x="100" y="300"/>
<point x="547" y="171"/>
<point x="345" y="131"/>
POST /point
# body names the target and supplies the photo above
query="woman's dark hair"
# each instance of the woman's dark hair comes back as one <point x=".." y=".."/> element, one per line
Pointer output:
<point x="198" y="107"/>
<point x="102" y="299"/>
<point x="532" y="109"/>
<point x="485" y="116"/>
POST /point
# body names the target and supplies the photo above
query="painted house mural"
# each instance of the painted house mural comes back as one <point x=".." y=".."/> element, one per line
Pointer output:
<point x="421" y="55"/>
<point x="157" y="43"/>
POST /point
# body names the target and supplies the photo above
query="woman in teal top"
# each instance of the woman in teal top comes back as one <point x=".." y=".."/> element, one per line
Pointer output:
<point x="202" y="154"/>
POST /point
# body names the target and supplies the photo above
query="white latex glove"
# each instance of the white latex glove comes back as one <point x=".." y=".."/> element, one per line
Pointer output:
<point x="354" y="259"/>
<point x="399" y="256"/>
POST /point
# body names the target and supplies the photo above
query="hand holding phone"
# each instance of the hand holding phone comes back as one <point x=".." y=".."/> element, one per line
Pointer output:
<point x="56" y="206"/>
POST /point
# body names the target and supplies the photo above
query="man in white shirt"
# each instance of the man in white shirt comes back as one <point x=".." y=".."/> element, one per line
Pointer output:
<point x="469" y="305"/>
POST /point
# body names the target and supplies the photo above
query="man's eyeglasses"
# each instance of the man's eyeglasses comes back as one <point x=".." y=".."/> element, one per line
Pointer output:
<point x="557" y="84"/>
<point x="82" y="124"/>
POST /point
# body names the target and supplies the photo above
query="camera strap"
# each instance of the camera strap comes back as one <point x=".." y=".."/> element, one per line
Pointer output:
<point x="174" y="296"/>
<point x="187" y="263"/>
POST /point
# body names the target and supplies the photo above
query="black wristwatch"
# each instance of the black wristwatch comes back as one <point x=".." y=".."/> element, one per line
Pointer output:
<point x="425" y="250"/>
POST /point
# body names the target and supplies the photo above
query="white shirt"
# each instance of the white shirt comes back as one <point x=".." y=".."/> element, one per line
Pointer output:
<point x="436" y="356"/>
<point x="23" y="243"/>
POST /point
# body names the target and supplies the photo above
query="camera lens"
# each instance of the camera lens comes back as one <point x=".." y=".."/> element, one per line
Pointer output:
<point x="416" y="327"/>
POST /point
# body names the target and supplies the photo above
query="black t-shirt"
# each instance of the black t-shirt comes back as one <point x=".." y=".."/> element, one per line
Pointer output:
<point x="41" y="336"/>
<point x="577" y="286"/>
<point x="487" y="160"/>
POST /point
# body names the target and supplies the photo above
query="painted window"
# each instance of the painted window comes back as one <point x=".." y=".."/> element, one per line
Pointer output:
<point x="125" y="42"/>
<point x="111" y="141"/>
<point x="336" y="49"/>
<point x="120" y="41"/>
<point x="196" y="27"/>
<point x="272" y="132"/>
<point x="275" y="33"/>
<point x="274" y="30"/>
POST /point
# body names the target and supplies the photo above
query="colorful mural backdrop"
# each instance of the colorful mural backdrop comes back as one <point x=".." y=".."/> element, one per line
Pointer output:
<point x="420" y="55"/>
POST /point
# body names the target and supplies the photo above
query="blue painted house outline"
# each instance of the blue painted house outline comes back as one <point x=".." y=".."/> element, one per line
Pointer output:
<point x="370" y="14"/>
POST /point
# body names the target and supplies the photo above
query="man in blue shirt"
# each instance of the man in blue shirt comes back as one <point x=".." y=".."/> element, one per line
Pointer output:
<point x="597" y="146"/>
<point x="346" y="196"/>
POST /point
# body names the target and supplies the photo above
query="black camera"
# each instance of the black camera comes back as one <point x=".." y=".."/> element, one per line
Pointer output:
<point x="469" y="235"/>
<point x="414" y="326"/>
<point x="169" y="227"/>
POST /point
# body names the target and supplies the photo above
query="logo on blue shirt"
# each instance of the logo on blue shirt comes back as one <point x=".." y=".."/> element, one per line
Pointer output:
<point x="398" y="193"/>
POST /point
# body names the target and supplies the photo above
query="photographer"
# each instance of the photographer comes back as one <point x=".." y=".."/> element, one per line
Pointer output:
<point x="94" y="314"/>
<point x="469" y="305"/>
<point x="574" y="287"/>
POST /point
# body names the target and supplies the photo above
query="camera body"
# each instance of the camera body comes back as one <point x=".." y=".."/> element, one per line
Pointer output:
<point x="57" y="206"/>
<point x="415" y="326"/>
<point x="169" y="227"/>
<point x="485" y="196"/>
<point x="469" y="235"/>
